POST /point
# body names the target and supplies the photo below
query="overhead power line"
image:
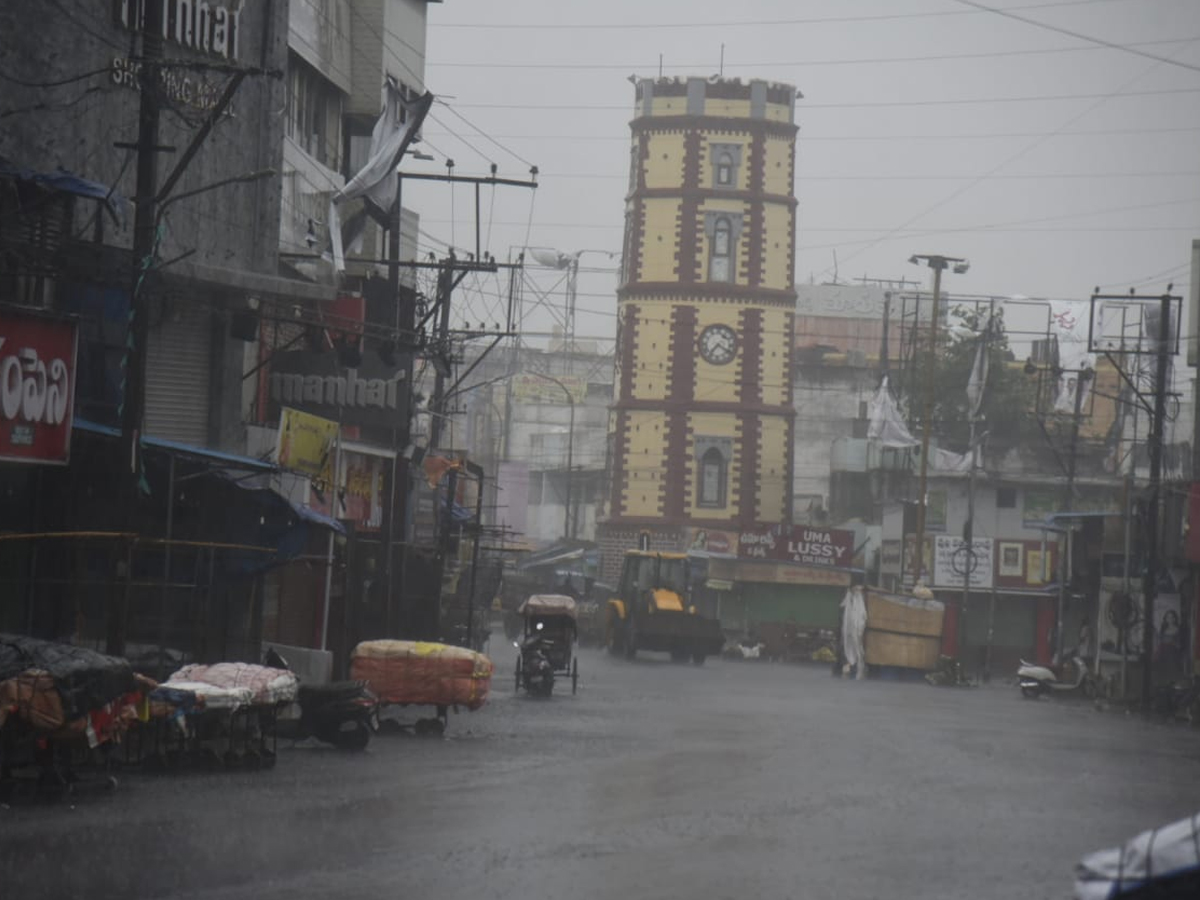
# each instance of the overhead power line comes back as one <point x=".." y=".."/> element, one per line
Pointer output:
<point x="1035" y="98"/>
<point x="83" y="76"/>
<point x="1127" y="48"/>
<point x="926" y="136"/>
<point x="806" y="63"/>
<point x="739" y="23"/>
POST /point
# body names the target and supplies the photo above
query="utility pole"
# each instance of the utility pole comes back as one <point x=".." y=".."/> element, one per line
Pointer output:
<point x="442" y="352"/>
<point x="144" y="246"/>
<point x="133" y="395"/>
<point x="396" y="521"/>
<point x="1102" y="341"/>
<point x="1150" y="585"/>
<point x="938" y="264"/>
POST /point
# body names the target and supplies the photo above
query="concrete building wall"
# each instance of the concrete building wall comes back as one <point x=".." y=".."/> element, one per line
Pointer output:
<point x="828" y="401"/>
<point x="74" y="126"/>
<point x="319" y="31"/>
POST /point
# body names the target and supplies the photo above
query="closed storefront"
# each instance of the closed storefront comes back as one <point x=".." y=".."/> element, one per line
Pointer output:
<point x="178" y="366"/>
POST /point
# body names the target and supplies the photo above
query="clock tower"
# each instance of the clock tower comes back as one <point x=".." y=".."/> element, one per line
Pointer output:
<point x="701" y="427"/>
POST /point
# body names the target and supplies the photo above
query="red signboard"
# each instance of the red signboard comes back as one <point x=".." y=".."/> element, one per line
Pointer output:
<point x="37" y="387"/>
<point x="809" y="545"/>
<point x="1192" y="543"/>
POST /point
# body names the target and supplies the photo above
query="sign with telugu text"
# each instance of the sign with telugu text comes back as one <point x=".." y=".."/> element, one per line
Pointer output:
<point x="37" y="387"/>
<point x="953" y="562"/>
<point x="805" y="544"/>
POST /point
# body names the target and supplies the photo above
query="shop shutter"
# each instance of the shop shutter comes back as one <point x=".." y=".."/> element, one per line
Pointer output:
<point x="177" y="373"/>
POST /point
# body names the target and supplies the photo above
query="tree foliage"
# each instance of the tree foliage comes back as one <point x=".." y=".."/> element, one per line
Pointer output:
<point x="1007" y="409"/>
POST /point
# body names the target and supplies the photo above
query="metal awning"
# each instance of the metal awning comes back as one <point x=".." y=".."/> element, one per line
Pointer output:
<point x="233" y="460"/>
<point x="67" y="183"/>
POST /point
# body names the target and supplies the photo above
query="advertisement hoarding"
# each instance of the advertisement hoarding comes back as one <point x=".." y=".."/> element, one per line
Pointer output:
<point x="952" y="562"/>
<point x="37" y="387"/>
<point x="306" y="444"/>
<point x="804" y="544"/>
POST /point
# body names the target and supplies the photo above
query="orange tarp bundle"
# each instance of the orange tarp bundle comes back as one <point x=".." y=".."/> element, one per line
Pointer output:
<point x="421" y="672"/>
<point x="33" y="697"/>
<point x="436" y="468"/>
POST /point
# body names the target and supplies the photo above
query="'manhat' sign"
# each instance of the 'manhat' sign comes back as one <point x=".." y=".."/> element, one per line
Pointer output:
<point x="370" y="394"/>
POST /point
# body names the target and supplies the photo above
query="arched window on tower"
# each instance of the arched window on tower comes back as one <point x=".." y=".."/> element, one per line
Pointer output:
<point x="725" y="168"/>
<point x="719" y="268"/>
<point x="712" y="479"/>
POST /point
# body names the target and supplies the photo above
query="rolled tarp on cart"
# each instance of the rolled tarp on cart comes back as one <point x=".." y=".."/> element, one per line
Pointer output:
<point x="422" y="673"/>
<point x="548" y="605"/>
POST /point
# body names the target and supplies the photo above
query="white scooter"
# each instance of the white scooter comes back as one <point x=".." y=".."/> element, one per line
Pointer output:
<point x="1036" y="680"/>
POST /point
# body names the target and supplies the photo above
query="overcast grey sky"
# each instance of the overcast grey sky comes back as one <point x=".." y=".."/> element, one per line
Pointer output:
<point x="927" y="126"/>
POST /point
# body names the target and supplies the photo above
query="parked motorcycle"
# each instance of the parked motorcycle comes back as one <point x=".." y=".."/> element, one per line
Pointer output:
<point x="341" y="713"/>
<point x="535" y="672"/>
<point x="1035" y="680"/>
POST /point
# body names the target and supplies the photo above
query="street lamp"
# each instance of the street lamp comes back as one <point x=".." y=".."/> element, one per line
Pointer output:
<point x="938" y="264"/>
<point x="570" y="452"/>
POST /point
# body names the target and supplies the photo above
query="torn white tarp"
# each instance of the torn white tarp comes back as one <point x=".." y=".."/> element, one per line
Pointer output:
<point x="1069" y="328"/>
<point x="1163" y="862"/>
<point x="854" y="626"/>
<point x="376" y="181"/>
<point x="977" y="382"/>
<point x="887" y="427"/>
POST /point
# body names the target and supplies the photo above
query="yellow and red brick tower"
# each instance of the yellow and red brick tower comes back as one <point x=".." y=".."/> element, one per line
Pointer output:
<point x="702" y="419"/>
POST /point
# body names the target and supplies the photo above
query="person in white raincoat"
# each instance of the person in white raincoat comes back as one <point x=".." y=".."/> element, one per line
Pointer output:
<point x="854" y="625"/>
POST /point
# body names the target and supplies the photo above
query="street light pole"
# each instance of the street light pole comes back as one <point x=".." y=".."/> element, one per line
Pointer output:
<point x="938" y="264"/>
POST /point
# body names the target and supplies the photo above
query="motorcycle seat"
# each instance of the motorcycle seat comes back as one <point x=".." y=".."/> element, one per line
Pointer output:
<point x="334" y="690"/>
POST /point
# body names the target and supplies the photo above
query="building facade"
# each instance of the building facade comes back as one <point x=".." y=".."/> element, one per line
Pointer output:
<point x="702" y="422"/>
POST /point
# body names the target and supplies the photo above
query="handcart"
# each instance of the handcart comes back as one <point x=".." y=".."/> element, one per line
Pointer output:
<point x="62" y="708"/>
<point x="237" y="724"/>
<point x="421" y="673"/>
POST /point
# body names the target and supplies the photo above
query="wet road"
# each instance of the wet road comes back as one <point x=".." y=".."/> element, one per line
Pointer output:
<point x="657" y="781"/>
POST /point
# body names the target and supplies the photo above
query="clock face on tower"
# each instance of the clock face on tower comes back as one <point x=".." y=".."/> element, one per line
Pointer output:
<point x="718" y="344"/>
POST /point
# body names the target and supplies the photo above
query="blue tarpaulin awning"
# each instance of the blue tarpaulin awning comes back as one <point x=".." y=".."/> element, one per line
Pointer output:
<point x="67" y="183"/>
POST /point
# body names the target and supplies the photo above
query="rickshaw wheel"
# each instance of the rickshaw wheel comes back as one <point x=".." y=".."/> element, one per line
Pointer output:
<point x="574" y="676"/>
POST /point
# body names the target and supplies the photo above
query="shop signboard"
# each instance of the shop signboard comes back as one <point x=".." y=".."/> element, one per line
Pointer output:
<point x="1041" y="504"/>
<point x="306" y="444"/>
<point x="528" y="387"/>
<point x="889" y="558"/>
<point x="769" y="572"/>
<point x="804" y="544"/>
<point x="37" y="387"/>
<point x="371" y="394"/>
<point x="363" y="494"/>
<point x="953" y="562"/>
<point x="711" y="540"/>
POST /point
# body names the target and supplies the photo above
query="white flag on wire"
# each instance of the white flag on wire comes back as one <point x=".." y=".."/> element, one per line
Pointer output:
<point x="977" y="382"/>
<point x="376" y="181"/>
